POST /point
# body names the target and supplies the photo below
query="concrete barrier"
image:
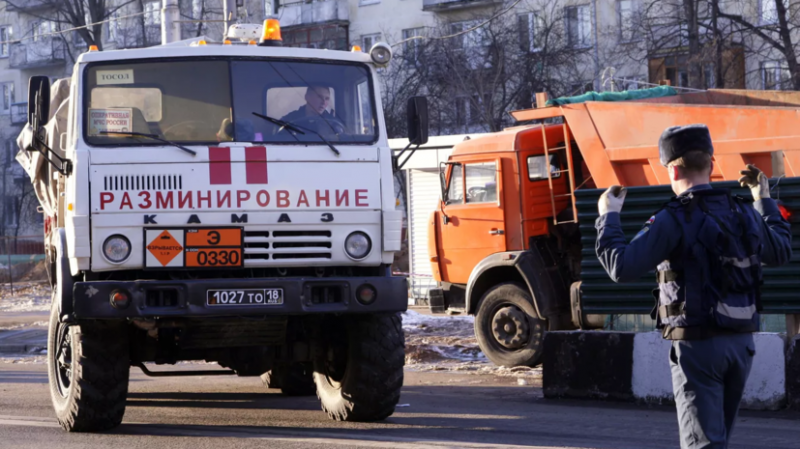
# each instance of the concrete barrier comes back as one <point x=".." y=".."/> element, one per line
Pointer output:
<point x="793" y="374"/>
<point x="595" y="365"/>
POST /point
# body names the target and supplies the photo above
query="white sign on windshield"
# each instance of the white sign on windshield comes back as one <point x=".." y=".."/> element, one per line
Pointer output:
<point x="114" y="77"/>
<point x="110" y="120"/>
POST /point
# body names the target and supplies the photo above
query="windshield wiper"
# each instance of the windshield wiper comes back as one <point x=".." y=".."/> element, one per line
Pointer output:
<point x="297" y="128"/>
<point x="150" y="136"/>
<point x="280" y="123"/>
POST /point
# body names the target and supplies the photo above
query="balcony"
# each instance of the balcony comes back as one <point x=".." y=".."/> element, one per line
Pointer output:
<point x="28" y="6"/>
<point x="456" y="5"/>
<point x="32" y="54"/>
<point x="301" y="13"/>
<point x="19" y="113"/>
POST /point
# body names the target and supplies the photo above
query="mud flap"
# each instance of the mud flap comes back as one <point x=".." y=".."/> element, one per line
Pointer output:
<point x="64" y="281"/>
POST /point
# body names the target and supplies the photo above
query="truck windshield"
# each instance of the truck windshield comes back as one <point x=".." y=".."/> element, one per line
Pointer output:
<point x="211" y="101"/>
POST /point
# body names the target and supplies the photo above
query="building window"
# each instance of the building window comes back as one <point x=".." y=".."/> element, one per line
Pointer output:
<point x="531" y="29"/>
<point x="469" y="110"/>
<point x="42" y="28"/>
<point x="368" y="40"/>
<point x="474" y="38"/>
<point x="8" y="97"/>
<point x="579" y="26"/>
<point x="152" y="13"/>
<point x="113" y="27"/>
<point x="626" y="26"/>
<point x="774" y="76"/>
<point x="332" y="37"/>
<point x="8" y="154"/>
<point x="11" y="213"/>
<point x="5" y="36"/>
<point x="768" y="10"/>
<point x="412" y="47"/>
<point x="268" y="8"/>
<point x="709" y="75"/>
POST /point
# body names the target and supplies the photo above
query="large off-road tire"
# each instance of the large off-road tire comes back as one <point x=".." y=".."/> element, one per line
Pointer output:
<point x="507" y="327"/>
<point x="293" y="379"/>
<point x="358" y="366"/>
<point x="88" y="365"/>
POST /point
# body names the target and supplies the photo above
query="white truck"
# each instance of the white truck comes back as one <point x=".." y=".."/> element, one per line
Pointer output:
<point x="219" y="202"/>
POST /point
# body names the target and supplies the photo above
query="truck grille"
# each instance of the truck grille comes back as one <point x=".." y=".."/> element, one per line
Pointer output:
<point x="143" y="182"/>
<point x="287" y="245"/>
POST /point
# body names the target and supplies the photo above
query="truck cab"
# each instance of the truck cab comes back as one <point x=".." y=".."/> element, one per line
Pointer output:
<point x="225" y="202"/>
<point x="497" y="214"/>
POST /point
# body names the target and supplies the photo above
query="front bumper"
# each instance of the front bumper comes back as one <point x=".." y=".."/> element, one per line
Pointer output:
<point x="187" y="298"/>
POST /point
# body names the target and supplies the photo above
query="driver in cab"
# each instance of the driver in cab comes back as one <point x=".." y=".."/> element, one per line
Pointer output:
<point x="318" y="99"/>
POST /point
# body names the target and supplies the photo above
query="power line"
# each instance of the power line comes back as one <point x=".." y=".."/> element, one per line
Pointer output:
<point x="468" y="30"/>
<point x="73" y="29"/>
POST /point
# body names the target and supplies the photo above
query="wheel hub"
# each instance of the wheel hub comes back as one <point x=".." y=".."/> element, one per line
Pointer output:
<point x="63" y="359"/>
<point x="510" y="327"/>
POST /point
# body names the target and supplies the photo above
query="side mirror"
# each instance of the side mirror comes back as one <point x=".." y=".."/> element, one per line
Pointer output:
<point x="38" y="101"/>
<point x="417" y="112"/>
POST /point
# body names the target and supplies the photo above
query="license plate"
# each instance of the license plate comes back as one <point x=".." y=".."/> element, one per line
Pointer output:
<point x="245" y="297"/>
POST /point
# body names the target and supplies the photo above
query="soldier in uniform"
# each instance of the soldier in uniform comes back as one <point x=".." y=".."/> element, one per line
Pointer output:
<point x="707" y="247"/>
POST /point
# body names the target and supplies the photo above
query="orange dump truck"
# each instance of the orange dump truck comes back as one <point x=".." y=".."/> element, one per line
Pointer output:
<point x="513" y="239"/>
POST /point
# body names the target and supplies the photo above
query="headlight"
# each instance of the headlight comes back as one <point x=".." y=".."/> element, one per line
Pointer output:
<point x="381" y="53"/>
<point x="357" y="245"/>
<point x="117" y="248"/>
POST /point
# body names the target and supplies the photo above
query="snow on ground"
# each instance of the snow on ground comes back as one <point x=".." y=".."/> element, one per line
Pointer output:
<point x="25" y="297"/>
<point x="447" y="343"/>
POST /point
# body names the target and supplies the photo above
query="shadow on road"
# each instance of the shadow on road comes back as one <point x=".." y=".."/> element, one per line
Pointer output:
<point x="222" y="400"/>
<point x="23" y="377"/>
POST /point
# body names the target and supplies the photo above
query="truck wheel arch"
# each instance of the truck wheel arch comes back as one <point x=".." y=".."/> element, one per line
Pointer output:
<point x="526" y="267"/>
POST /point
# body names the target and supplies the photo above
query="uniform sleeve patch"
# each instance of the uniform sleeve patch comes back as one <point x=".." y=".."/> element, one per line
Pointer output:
<point x="650" y="221"/>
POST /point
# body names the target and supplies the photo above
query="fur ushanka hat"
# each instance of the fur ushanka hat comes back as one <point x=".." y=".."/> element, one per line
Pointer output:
<point x="676" y="141"/>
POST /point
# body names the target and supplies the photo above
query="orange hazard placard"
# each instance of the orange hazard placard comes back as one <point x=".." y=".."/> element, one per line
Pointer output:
<point x="213" y="237"/>
<point x="165" y="247"/>
<point x="214" y="257"/>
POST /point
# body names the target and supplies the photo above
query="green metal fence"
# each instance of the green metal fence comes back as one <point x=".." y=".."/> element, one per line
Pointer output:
<point x="600" y="295"/>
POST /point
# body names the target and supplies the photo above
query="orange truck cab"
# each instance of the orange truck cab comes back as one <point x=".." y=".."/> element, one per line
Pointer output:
<point x="514" y="233"/>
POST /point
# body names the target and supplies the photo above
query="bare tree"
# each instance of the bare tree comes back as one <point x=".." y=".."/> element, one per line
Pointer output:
<point x="85" y="15"/>
<point x="773" y="30"/>
<point x="474" y="71"/>
<point x="692" y="43"/>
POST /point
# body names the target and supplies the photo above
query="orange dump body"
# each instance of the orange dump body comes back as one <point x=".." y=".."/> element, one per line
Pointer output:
<point x="600" y="144"/>
<point x="619" y="140"/>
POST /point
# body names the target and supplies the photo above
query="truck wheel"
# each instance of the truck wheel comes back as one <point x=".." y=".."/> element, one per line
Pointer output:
<point x="88" y="365"/>
<point x="358" y="366"/>
<point x="507" y="328"/>
<point x="294" y="379"/>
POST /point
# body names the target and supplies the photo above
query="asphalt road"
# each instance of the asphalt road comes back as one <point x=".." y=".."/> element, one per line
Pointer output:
<point x="442" y="410"/>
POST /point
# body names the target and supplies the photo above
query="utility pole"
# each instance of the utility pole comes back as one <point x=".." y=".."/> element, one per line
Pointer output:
<point x="170" y="22"/>
<point x="229" y="15"/>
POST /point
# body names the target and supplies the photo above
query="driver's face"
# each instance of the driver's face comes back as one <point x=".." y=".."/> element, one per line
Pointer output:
<point x="318" y="99"/>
